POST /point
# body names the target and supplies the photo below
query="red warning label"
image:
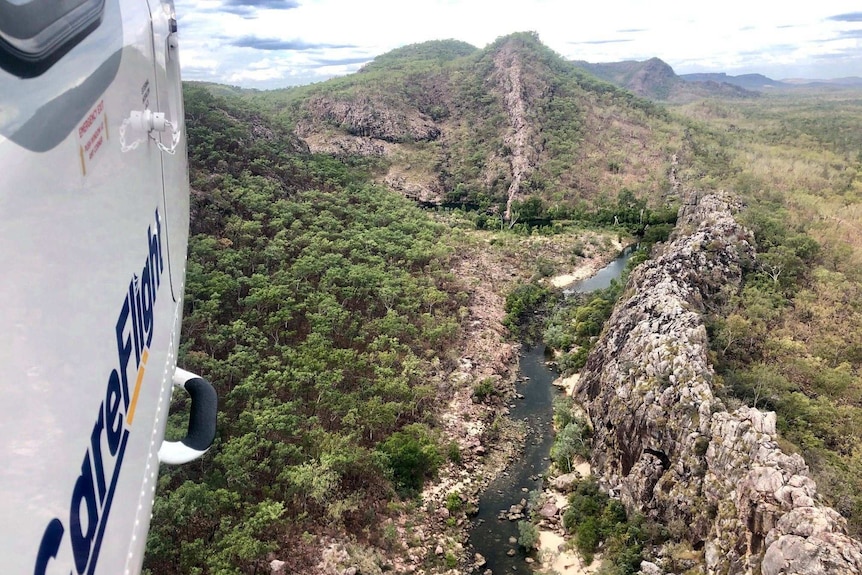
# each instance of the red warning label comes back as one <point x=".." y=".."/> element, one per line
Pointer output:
<point x="92" y="135"/>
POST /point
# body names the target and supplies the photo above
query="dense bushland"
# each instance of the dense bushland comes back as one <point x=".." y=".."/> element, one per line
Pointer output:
<point x="318" y="304"/>
<point x="321" y="305"/>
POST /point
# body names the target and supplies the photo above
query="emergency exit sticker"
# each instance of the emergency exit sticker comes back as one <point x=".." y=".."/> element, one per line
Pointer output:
<point x="92" y="135"/>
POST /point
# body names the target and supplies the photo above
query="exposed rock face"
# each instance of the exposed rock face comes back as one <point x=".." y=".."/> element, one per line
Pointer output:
<point x="520" y="135"/>
<point x="372" y="117"/>
<point x="374" y="126"/>
<point x="429" y="192"/>
<point x="667" y="446"/>
<point x="344" y="145"/>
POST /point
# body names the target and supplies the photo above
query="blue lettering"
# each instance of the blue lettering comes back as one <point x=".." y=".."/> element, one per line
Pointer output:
<point x="124" y="350"/>
<point x="93" y="493"/>
<point x="133" y="303"/>
<point x="156" y="262"/>
<point x="103" y="520"/>
<point x="113" y="417"/>
<point x="50" y="546"/>
<point x="147" y="303"/>
<point x="96" y="448"/>
<point x="84" y="492"/>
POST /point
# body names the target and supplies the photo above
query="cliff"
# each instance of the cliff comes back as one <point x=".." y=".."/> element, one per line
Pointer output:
<point x="668" y="447"/>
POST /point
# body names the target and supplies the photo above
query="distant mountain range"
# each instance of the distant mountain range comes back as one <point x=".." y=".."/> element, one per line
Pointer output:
<point x="761" y="82"/>
<point x="746" y="81"/>
<point x="852" y="81"/>
<point x="656" y="80"/>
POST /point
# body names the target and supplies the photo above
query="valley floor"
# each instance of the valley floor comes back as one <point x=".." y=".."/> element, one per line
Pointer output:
<point x="431" y="534"/>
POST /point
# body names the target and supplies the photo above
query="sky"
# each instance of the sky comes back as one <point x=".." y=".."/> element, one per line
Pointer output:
<point x="278" y="43"/>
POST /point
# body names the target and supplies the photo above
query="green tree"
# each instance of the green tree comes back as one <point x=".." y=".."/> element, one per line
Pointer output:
<point x="411" y="455"/>
<point x="528" y="535"/>
<point x="569" y="444"/>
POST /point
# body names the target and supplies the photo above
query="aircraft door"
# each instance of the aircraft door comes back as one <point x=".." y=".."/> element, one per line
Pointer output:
<point x="169" y="95"/>
<point x="85" y="305"/>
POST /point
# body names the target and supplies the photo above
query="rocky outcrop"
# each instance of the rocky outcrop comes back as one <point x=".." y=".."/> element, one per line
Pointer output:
<point x="666" y="446"/>
<point x="342" y="145"/>
<point x="428" y="192"/>
<point x="375" y="125"/>
<point x="369" y="117"/>
<point x="766" y="504"/>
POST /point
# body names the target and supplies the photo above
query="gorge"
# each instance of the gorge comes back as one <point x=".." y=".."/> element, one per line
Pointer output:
<point x="492" y="530"/>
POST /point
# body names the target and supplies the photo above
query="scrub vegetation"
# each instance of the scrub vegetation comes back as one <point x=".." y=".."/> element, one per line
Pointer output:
<point x="324" y="305"/>
<point x="593" y="519"/>
<point x="790" y="341"/>
<point x="318" y="304"/>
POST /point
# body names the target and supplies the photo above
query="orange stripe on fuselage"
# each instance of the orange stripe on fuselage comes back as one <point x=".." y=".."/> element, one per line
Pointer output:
<point x="131" y="416"/>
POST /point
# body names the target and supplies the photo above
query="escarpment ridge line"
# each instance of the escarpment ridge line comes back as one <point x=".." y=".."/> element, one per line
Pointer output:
<point x="669" y="448"/>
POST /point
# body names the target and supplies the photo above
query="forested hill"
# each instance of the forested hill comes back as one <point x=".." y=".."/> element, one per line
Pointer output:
<point x="483" y="128"/>
<point x="320" y="306"/>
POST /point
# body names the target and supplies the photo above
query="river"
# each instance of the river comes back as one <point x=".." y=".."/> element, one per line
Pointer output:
<point x="490" y="536"/>
<point x="602" y="278"/>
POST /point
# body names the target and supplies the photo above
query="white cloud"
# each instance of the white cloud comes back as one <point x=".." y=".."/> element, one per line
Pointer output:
<point x="733" y="36"/>
<point x="260" y="75"/>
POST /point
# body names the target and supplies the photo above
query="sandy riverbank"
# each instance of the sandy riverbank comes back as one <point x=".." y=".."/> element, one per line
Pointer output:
<point x="568" y="383"/>
<point x="555" y="555"/>
<point x="565" y="280"/>
<point x="563" y="562"/>
<point x="586" y="268"/>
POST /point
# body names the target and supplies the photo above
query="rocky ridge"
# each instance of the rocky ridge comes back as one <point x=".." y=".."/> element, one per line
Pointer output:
<point x="668" y="447"/>
<point x="519" y="137"/>
<point x="446" y="124"/>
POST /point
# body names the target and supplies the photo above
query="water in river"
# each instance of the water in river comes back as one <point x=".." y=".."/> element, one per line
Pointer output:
<point x="602" y="278"/>
<point x="490" y="536"/>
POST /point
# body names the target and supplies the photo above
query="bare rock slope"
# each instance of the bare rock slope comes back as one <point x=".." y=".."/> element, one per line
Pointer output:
<point x="669" y="448"/>
<point x="520" y="135"/>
